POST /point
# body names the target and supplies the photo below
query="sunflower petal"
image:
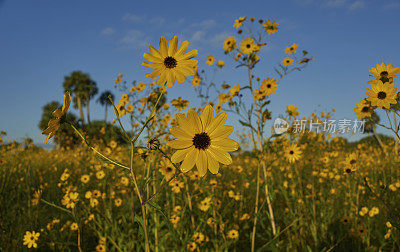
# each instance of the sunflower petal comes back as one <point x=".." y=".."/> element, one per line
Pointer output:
<point x="213" y="164"/>
<point x="207" y="115"/>
<point x="221" y="156"/>
<point x="155" y="52"/>
<point x="226" y="144"/>
<point x="173" y="44"/>
<point x="152" y="58"/>
<point x="180" y="144"/>
<point x="180" y="133"/>
<point x="218" y="121"/>
<point x="202" y="163"/>
<point x="194" y="119"/>
<point x="221" y="132"/>
<point x="179" y="155"/>
<point x="182" y="49"/>
<point x="163" y="47"/>
<point x="190" y="160"/>
<point x="185" y="124"/>
<point x="193" y="53"/>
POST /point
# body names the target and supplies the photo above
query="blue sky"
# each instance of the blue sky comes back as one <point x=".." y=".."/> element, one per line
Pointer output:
<point x="44" y="40"/>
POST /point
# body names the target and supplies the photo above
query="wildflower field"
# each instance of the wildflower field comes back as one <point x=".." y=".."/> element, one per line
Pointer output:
<point x="164" y="175"/>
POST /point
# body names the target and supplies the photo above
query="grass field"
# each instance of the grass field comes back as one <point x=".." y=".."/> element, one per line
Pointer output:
<point x="316" y="204"/>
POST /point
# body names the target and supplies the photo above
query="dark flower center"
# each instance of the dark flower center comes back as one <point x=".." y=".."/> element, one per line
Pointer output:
<point x="291" y="152"/>
<point x="170" y="62"/>
<point x="201" y="141"/>
<point x="365" y="109"/>
<point x="348" y="170"/>
<point x="169" y="169"/>
<point x="381" y="95"/>
<point x="248" y="45"/>
<point x="384" y="76"/>
<point x="269" y="86"/>
<point x="228" y="43"/>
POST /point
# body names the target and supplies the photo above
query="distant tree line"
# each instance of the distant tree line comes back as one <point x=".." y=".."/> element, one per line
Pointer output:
<point x="83" y="89"/>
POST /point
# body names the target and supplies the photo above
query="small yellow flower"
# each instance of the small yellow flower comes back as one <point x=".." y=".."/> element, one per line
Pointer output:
<point x="291" y="49"/>
<point x="238" y="22"/>
<point x="30" y="239"/>
<point x="74" y="226"/>
<point x="363" y="109"/>
<point x="247" y="46"/>
<point x="179" y="103"/>
<point x="221" y="63"/>
<point x="233" y="234"/>
<point x="118" y="202"/>
<point x="229" y="44"/>
<point x="85" y="179"/>
<point x="384" y="73"/>
<point x="210" y="60"/>
<point x="291" y="110"/>
<point x="270" y="27"/>
<point x="293" y="153"/>
<point x="196" y="81"/>
<point x="287" y="61"/>
<point x="100" y="174"/>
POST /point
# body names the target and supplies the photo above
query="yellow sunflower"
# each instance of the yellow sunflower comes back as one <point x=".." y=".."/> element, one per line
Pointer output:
<point x="210" y="60"/>
<point x="292" y="110"/>
<point x="247" y="46"/>
<point x="170" y="63"/>
<point x="363" y="109"/>
<point x="270" y="27"/>
<point x="31" y="238"/>
<point x="202" y="141"/>
<point x="268" y="86"/>
<point x="382" y="94"/>
<point x="229" y="44"/>
<point x="384" y="72"/>
<point x="293" y="153"/>
<point x="54" y="123"/>
<point x="196" y="81"/>
<point x="287" y="61"/>
<point x="238" y="22"/>
<point x="180" y="103"/>
<point x="291" y="49"/>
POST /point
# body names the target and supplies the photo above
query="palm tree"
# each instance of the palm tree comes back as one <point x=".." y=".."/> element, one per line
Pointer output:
<point x="105" y="101"/>
<point x="89" y="91"/>
<point x="83" y="88"/>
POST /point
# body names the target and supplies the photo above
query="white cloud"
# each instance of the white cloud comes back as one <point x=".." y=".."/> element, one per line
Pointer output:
<point x="156" y="20"/>
<point x="107" y="31"/>
<point x="356" y="5"/>
<point x="334" y="3"/>
<point x="198" y="36"/>
<point x="219" y="38"/>
<point x="132" y="17"/>
<point x="205" y="24"/>
<point x="135" y="38"/>
<point x="391" y="6"/>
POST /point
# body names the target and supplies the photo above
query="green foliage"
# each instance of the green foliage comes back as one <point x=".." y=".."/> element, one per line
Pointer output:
<point x="94" y="132"/>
